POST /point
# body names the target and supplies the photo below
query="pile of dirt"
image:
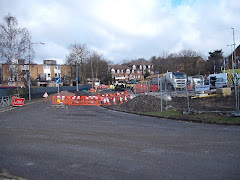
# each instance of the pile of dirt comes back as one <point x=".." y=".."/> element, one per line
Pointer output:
<point x="148" y="103"/>
<point x="62" y="93"/>
<point x="141" y="103"/>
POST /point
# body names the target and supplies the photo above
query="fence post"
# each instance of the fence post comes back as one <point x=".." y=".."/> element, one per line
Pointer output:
<point x="188" y="106"/>
<point x="166" y="93"/>
<point x="161" y="93"/>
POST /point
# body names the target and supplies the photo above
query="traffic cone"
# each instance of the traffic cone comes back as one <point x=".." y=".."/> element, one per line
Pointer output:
<point x="108" y="102"/>
<point x="121" y="100"/>
<point x="114" y="101"/>
<point x="104" y="101"/>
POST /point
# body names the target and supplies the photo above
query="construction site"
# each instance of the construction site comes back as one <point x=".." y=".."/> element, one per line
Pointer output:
<point x="148" y="99"/>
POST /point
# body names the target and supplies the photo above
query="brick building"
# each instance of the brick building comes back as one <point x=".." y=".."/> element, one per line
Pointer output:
<point x="45" y="74"/>
<point x="131" y="70"/>
<point x="237" y="51"/>
<point x="41" y="74"/>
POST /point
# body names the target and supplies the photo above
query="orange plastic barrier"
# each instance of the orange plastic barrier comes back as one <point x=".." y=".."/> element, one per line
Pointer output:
<point x="12" y="99"/>
<point x="74" y="100"/>
<point x="77" y="100"/>
<point x="153" y="88"/>
<point x="92" y="100"/>
<point x="140" y="88"/>
<point x="104" y="99"/>
<point x="103" y="87"/>
<point x="112" y="99"/>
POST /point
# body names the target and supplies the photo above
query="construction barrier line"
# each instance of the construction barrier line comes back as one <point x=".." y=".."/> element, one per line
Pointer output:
<point x="102" y="99"/>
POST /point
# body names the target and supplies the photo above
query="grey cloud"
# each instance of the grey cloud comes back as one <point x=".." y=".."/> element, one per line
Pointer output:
<point x="200" y="25"/>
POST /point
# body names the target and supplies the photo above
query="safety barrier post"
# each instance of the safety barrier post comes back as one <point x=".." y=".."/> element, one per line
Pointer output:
<point x="114" y="101"/>
<point x="121" y="100"/>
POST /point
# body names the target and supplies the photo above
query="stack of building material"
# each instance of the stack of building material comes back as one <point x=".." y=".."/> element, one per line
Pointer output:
<point x="224" y="92"/>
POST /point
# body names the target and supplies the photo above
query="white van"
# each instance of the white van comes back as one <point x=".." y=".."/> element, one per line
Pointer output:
<point x="217" y="80"/>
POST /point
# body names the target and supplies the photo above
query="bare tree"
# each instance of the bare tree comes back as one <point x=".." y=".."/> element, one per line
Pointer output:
<point x="14" y="43"/>
<point x="97" y="66"/>
<point x="186" y="60"/>
<point x="188" y="53"/>
<point x="78" y="55"/>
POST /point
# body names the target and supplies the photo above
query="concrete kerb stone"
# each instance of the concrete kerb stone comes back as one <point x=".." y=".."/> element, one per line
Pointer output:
<point x="25" y="104"/>
<point x="7" y="108"/>
<point x="4" y="176"/>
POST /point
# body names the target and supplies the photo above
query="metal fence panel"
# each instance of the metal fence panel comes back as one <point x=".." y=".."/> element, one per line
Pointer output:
<point x="38" y="92"/>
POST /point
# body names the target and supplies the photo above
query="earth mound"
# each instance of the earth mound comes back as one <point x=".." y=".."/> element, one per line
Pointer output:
<point x="148" y="103"/>
<point x="62" y="93"/>
<point x="141" y="103"/>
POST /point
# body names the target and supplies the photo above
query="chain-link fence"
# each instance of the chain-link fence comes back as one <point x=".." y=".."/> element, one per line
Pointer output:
<point x="221" y="100"/>
<point x="199" y="98"/>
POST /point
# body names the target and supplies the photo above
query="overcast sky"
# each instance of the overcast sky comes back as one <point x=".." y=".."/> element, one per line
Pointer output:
<point x="127" y="29"/>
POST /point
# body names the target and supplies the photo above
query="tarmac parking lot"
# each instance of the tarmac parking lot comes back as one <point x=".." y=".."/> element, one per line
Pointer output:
<point x="40" y="141"/>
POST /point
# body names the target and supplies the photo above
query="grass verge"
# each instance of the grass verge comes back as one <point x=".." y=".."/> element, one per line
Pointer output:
<point x="202" y="117"/>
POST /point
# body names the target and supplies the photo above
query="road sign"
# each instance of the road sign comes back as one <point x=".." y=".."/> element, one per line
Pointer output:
<point x="18" y="101"/>
<point x="76" y="78"/>
<point x="58" y="80"/>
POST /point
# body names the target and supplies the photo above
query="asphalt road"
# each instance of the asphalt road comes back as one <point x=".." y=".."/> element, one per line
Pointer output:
<point x="38" y="141"/>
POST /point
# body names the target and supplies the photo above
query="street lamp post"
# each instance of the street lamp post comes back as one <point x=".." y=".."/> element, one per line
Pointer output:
<point x="235" y="78"/>
<point x="234" y="48"/>
<point x="29" y="74"/>
<point x="77" y="76"/>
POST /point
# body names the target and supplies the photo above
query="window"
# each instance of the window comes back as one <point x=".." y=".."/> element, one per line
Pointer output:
<point x="118" y="71"/>
<point x="46" y="66"/>
<point x="25" y="67"/>
<point x="49" y="75"/>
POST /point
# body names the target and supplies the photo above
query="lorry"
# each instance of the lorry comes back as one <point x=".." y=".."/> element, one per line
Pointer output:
<point x="218" y="80"/>
<point x="175" y="80"/>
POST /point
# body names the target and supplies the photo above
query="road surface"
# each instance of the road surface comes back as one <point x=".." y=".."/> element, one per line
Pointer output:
<point x="39" y="141"/>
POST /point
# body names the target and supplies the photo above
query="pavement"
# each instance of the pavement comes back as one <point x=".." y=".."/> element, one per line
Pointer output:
<point x="41" y="141"/>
